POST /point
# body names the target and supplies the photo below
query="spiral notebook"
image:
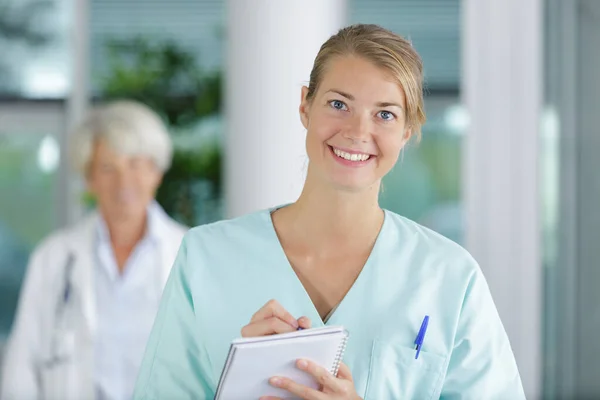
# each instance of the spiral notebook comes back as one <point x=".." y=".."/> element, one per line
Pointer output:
<point x="252" y="361"/>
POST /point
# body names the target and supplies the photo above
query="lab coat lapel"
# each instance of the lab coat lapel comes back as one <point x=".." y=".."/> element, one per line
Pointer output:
<point x="81" y="243"/>
<point x="83" y="248"/>
<point x="167" y="255"/>
<point x="168" y="245"/>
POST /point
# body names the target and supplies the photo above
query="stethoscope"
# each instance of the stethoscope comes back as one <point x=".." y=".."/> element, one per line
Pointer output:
<point x="67" y="285"/>
<point x="58" y="357"/>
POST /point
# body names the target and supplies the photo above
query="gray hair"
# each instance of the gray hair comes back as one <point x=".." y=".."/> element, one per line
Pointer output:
<point x="129" y="128"/>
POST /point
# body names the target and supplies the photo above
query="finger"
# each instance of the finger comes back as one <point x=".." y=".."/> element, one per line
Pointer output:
<point x="344" y="373"/>
<point x="304" y="392"/>
<point x="274" y="309"/>
<point x="325" y="379"/>
<point x="304" y="322"/>
<point x="265" y="327"/>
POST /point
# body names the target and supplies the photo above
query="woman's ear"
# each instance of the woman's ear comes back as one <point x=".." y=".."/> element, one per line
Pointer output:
<point x="304" y="107"/>
<point x="407" y="135"/>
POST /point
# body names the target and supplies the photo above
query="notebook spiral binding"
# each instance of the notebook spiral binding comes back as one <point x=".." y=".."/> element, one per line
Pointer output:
<point x="339" y="355"/>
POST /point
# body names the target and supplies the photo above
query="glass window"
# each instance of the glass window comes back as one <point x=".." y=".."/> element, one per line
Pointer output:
<point x="34" y="43"/>
<point x="28" y="177"/>
<point x="570" y="194"/>
<point x="425" y="185"/>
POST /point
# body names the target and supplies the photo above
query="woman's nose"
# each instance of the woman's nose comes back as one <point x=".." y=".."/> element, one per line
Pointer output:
<point x="122" y="177"/>
<point x="358" y="129"/>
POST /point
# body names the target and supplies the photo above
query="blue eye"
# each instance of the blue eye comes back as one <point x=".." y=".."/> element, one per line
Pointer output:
<point x="338" y="105"/>
<point x="386" y="115"/>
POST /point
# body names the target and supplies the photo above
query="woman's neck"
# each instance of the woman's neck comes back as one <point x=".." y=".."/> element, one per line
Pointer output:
<point x="324" y="217"/>
<point x="124" y="234"/>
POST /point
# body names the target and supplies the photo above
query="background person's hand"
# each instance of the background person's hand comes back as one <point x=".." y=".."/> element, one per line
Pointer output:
<point x="340" y="387"/>
<point x="272" y="318"/>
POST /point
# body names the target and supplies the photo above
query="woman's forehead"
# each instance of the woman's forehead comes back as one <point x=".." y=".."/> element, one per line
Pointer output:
<point x="359" y="77"/>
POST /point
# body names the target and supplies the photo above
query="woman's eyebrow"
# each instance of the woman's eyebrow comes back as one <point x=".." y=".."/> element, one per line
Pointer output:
<point x="343" y="94"/>
<point x="379" y="104"/>
<point x="388" y="104"/>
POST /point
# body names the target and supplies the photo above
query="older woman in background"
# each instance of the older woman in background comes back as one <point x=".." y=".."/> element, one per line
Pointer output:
<point x="92" y="290"/>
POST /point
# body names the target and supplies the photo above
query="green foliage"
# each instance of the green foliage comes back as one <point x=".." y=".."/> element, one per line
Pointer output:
<point x="442" y="155"/>
<point x="176" y="194"/>
<point x="167" y="78"/>
<point x="163" y="76"/>
<point x="426" y="176"/>
<point x="88" y="200"/>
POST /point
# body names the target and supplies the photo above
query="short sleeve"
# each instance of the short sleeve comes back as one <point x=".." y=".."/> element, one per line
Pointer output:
<point x="482" y="365"/>
<point x="176" y="364"/>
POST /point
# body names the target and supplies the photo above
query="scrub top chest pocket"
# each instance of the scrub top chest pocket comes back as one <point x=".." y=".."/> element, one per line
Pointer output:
<point x="394" y="372"/>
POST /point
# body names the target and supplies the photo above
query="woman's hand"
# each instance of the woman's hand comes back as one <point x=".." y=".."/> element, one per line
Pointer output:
<point x="332" y="387"/>
<point x="272" y="318"/>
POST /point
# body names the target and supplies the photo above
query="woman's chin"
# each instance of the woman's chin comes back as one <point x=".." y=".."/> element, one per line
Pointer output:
<point x="125" y="211"/>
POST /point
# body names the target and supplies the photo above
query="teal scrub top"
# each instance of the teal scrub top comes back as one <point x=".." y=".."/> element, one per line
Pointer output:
<point x="227" y="270"/>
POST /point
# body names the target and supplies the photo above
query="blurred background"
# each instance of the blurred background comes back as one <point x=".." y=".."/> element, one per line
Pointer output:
<point x="507" y="167"/>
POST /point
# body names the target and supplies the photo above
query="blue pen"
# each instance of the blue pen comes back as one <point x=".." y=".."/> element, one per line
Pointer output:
<point x="421" y="336"/>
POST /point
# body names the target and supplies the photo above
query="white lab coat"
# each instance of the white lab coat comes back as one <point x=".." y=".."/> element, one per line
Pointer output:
<point x="49" y="354"/>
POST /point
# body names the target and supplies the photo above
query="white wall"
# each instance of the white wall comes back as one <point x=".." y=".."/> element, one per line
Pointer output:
<point x="270" y="51"/>
<point x="502" y="89"/>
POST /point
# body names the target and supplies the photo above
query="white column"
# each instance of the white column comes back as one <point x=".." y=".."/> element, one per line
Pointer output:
<point x="271" y="46"/>
<point x="70" y="184"/>
<point x="502" y="87"/>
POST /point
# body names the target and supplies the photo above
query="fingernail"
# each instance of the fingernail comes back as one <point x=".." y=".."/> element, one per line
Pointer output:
<point x="275" y="381"/>
<point x="305" y="322"/>
<point x="295" y="324"/>
<point x="302" y="364"/>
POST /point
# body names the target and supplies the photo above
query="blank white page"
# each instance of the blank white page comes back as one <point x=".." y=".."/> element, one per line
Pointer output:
<point x="252" y="362"/>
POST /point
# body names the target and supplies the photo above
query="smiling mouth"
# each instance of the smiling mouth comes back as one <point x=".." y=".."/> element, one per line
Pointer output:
<point x="356" y="157"/>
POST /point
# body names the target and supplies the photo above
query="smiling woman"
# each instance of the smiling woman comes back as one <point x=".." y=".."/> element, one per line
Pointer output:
<point x="335" y="257"/>
<point x="364" y="125"/>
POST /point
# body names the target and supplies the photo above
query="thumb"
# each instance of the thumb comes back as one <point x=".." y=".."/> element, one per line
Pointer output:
<point x="344" y="373"/>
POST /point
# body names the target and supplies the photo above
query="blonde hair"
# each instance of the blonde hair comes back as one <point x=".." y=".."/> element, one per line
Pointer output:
<point x="129" y="128"/>
<point x="384" y="49"/>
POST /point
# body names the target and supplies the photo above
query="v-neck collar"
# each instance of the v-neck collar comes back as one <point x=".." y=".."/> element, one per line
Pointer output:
<point x="290" y="274"/>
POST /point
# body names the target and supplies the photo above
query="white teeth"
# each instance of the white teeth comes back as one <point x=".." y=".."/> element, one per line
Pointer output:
<point x="351" y="156"/>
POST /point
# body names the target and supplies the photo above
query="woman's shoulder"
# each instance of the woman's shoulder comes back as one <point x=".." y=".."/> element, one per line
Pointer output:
<point x="52" y="251"/>
<point x="228" y="248"/>
<point x="68" y="236"/>
<point x="444" y="270"/>
<point x="232" y="231"/>
<point x="429" y="243"/>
